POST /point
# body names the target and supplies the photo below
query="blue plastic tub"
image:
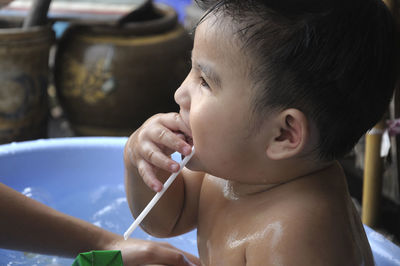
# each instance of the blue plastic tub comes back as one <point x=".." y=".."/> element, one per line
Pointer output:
<point x="83" y="177"/>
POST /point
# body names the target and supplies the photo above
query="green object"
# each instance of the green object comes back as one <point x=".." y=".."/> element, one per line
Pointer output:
<point x="99" y="258"/>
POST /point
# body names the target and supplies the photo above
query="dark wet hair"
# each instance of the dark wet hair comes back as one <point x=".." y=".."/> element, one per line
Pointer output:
<point x="334" y="60"/>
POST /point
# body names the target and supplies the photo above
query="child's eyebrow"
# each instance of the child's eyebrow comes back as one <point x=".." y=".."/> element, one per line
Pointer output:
<point x="208" y="71"/>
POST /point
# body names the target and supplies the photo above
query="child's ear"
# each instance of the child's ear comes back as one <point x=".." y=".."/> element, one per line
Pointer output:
<point x="290" y="137"/>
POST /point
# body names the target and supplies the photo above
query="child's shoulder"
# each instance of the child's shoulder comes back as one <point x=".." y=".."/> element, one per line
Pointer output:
<point x="308" y="222"/>
<point x="307" y="240"/>
<point x="312" y="222"/>
<point x="312" y="236"/>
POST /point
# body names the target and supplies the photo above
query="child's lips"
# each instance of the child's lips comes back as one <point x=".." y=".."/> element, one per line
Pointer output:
<point x="188" y="139"/>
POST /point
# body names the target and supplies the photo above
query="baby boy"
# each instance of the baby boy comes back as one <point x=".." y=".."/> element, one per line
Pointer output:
<point x="277" y="92"/>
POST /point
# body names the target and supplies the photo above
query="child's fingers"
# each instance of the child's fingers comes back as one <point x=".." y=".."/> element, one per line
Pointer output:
<point x="165" y="137"/>
<point x="153" y="155"/>
<point x="174" y="122"/>
<point x="146" y="171"/>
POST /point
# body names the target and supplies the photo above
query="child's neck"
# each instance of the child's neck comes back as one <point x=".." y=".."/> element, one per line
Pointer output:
<point x="243" y="189"/>
<point x="238" y="190"/>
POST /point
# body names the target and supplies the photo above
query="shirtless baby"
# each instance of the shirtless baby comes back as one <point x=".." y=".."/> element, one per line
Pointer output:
<point x="277" y="92"/>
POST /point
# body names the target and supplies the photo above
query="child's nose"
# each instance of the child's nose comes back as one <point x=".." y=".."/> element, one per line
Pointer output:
<point x="182" y="96"/>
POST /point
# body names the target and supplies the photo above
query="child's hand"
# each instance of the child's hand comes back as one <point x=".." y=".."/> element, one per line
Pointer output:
<point x="149" y="147"/>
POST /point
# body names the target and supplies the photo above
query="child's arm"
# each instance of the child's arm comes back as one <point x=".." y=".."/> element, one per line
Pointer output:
<point x="29" y="225"/>
<point x="148" y="165"/>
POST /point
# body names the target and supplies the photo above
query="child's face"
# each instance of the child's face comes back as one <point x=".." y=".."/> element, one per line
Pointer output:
<point x="215" y="102"/>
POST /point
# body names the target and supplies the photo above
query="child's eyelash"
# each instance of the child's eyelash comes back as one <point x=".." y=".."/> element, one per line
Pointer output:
<point x="203" y="82"/>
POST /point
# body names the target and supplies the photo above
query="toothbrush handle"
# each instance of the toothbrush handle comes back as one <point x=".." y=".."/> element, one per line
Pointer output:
<point x="157" y="197"/>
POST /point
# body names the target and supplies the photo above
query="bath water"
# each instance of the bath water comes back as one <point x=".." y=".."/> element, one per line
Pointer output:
<point x="104" y="206"/>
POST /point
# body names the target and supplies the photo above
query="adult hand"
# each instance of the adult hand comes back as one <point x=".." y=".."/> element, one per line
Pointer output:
<point x="143" y="252"/>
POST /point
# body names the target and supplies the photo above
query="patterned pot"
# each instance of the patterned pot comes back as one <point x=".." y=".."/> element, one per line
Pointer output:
<point x="110" y="79"/>
<point x="24" y="57"/>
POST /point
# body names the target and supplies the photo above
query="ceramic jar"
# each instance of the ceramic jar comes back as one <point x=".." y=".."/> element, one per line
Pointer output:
<point x="110" y="79"/>
<point x="24" y="72"/>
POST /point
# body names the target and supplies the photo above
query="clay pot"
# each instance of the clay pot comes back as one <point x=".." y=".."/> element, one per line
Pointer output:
<point x="24" y="57"/>
<point x="110" y="79"/>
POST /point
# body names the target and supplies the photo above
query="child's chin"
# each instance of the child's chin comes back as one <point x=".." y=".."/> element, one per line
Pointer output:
<point x="192" y="165"/>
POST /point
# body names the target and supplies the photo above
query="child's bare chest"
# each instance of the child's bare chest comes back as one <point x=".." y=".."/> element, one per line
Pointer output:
<point x="225" y="228"/>
<point x="217" y="232"/>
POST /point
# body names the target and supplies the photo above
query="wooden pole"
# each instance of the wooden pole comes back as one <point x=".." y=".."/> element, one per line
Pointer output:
<point x="372" y="185"/>
<point x="37" y="15"/>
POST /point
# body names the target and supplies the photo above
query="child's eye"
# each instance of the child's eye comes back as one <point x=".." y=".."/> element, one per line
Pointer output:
<point x="204" y="83"/>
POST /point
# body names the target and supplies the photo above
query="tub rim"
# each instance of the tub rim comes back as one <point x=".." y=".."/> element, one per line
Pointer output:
<point x="56" y="143"/>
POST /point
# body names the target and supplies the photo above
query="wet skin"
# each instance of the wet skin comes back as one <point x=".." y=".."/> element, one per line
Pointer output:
<point x="272" y="203"/>
<point x="309" y="221"/>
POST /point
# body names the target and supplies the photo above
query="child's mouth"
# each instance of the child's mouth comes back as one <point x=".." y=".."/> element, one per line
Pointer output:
<point x="188" y="139"/>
